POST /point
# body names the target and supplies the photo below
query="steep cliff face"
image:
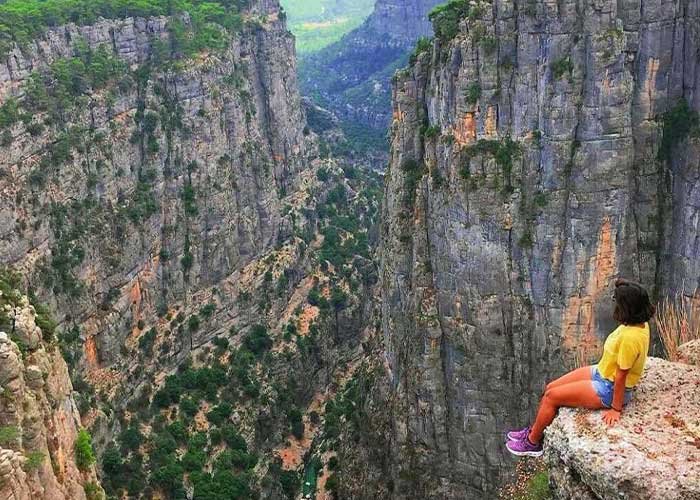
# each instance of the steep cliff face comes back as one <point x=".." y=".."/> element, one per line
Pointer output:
<point x="403" y="21"/>
<point x="351" y="77"/>
<point x="39" y="420"/>
<point x="153" y="184"/>
<point x="538" y="151"/>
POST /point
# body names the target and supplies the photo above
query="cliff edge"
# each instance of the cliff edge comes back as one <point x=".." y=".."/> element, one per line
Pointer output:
<point x="653" y="453"/>
<point x="39" y="419"/>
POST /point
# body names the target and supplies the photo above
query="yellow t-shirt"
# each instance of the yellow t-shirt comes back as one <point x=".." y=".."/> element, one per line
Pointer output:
<point x="625" y="348"/>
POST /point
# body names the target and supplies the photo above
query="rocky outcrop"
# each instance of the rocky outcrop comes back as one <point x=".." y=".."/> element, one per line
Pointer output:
<point x="653" y="453"/>
<point x="352" y="76"/>
<point x="538" y="151"/>
<point x="690" y="352"/>
<point x="39" y="420"/>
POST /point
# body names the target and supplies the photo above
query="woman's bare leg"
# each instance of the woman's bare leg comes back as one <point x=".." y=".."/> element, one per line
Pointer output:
<point x="577" y="375"/>
<point x="579" y="394"/>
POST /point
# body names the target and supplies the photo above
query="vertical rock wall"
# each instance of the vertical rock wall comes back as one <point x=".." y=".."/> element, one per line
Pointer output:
<point x="525" y="175"/>
<point x="39" y="421"/>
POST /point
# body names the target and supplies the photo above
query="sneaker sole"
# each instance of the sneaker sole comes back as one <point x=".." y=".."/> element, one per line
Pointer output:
<point x="526" y="453"/>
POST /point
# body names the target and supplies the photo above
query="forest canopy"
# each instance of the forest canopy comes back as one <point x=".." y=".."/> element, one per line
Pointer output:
<point x="23" y="20"/>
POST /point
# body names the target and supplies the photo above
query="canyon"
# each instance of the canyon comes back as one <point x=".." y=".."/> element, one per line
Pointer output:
<point x="202" y="277"/>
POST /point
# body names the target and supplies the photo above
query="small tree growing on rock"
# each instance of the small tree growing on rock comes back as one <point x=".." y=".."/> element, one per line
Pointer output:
<point x="84" y="455"/>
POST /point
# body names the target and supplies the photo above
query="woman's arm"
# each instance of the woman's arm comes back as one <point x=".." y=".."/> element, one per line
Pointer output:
<point x="612" y="416"/>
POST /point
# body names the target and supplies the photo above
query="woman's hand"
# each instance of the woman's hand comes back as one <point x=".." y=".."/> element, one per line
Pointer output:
<point x="611" y="417"/>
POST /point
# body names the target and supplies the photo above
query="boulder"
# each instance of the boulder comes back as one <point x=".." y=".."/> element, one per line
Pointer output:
<point x="26" y="330"/>
<point x="652" y="453"/>
<point x="690" y="352"/>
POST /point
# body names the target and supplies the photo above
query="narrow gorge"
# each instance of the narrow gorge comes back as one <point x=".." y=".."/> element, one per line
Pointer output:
<point x="209" y="290"/>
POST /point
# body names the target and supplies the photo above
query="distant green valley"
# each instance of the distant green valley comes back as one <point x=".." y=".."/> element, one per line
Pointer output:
<point x="318" y="23"/>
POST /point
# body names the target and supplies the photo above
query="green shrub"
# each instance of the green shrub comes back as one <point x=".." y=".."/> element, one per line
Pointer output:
<point x="541" y="199"/>
<point x="131" y="438"/>
<point x="413" y="172"/>
<point x="6" y="138"/>
<point x="422" y="45"/>
<point x="332" y="483"/>
<point x="232" y="438"/>
<point x="446" y="18"/>
<point x="193" y="323"/>
<point x="291" y="482"/>
<point x="431" y="132"/>
<point x="9" y="435"/>
<point x="93" y="491"/>
<point x="147" y="340"/>
<point x="187" y="259"/>
<point x="678" y="123"/>
<point x="472" y="93"/>
<point x="489" y="44"/>
<point x="296" y="422"/>
<point x="219" y="414"/>
<point x="189" y="200"/>
<point x="34" y="460"/>
<point x="207" y="310"/>
<point x="538" y="487"/>
<point x="562" y="67"/>
<point x="257" y="340"/>
<point x="221" y="342"/>
<point x="84" y="456"/>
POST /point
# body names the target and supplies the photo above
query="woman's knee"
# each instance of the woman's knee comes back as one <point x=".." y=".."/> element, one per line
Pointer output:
<point x="548" y="396"/>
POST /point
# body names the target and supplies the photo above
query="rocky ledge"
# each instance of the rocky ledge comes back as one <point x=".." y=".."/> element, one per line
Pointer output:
<point x="653" y="453"/>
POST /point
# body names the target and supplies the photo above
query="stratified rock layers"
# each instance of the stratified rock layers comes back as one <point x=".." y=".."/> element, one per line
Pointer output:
<point x="525" y="175"/>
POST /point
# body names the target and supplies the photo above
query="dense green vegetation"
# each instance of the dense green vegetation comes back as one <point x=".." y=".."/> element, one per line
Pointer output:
<point x="84" y="456"/>
<point x="678" y="123"/>
<point x="414" y="172"/>
<point x="8" y="435"/>
<point x="422" y="45"/>
<point x="562" y="67"/>
<point x="23" y="20"/>
<point x="504" y="152"/>
<point x="446" y="17"/>
<point x="319" y="23"/>
<point x="163" y="447"/>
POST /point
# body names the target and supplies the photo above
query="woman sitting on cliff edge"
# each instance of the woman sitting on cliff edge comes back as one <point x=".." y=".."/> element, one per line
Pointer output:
<point x="606" y="385"/>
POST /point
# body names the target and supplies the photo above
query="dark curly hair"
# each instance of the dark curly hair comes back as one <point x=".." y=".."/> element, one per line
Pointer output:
<point x="632" y="304"/>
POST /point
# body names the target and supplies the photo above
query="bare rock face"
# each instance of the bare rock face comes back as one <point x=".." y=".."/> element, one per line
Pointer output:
<point x="39" y="421"/>
<point x="402" y="20"/>
<point x="532" y="163"/>
<point x="25" y="328"/>
<point x="653" y="453"/>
